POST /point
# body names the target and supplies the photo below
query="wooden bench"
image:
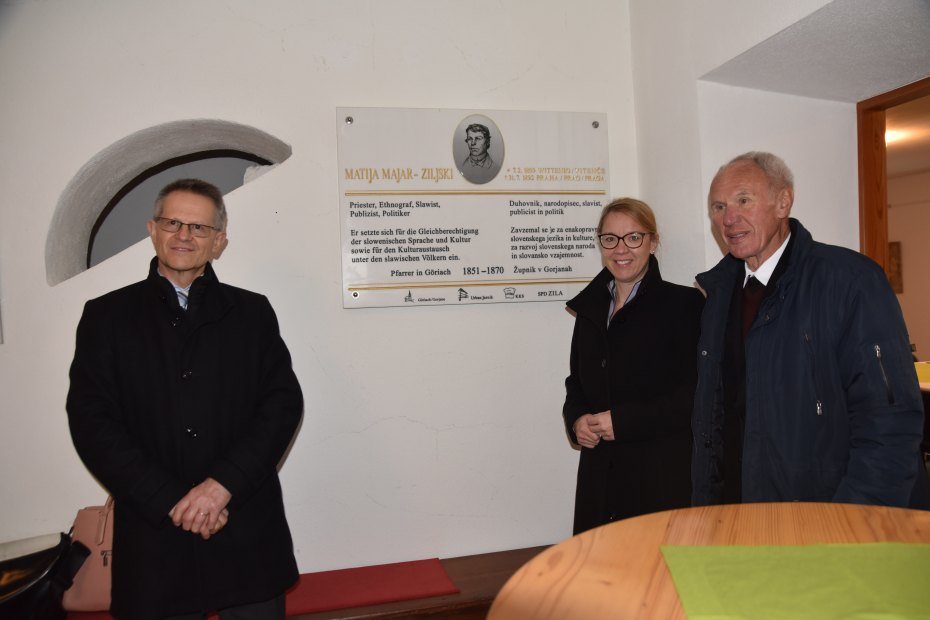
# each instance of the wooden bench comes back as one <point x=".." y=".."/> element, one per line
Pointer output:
<point x="478" y="577"/>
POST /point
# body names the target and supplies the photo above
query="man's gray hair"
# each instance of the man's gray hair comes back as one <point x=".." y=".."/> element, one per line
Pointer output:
<point x="201" y="188"/>
<point x="776" y="170"/>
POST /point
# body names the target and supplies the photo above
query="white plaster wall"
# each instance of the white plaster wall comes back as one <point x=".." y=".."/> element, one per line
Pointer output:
<point x="427" y="431"/>
<point x="675" y="42"/>
<point x="909" y="223"/>
<point x="816" y="138"/>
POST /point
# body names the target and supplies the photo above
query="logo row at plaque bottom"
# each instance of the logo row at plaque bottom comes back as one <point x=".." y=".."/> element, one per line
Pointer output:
<point x="463" y="294"/>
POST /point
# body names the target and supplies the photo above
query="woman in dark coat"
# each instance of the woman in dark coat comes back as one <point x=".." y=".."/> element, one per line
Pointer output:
<point x="633" y="370"/>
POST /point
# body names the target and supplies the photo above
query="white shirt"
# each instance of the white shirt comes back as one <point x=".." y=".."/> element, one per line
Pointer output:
<point x="764" y="273"/>
<point x="612" y="287"/>
<point x="182" y="292"/>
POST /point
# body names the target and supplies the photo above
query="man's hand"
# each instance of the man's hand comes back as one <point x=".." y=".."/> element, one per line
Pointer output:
<point x="203" y="510"/>
<point x="220" y="524"/>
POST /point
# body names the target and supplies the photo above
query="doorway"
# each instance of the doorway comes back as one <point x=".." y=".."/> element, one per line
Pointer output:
<point x="894" y="198"/>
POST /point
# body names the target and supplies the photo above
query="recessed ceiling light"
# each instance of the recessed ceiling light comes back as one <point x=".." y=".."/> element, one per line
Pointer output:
<point x="894" y="135"/>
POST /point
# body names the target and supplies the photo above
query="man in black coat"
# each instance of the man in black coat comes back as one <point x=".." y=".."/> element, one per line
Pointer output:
<point x="182" y="403"/>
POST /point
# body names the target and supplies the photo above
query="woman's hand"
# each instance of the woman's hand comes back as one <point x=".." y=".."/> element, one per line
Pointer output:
<point x="602" y="425"/>
<point x="589" y="429"/>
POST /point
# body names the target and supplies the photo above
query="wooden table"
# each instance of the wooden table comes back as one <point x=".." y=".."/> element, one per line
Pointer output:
<point x="616" y="571"/>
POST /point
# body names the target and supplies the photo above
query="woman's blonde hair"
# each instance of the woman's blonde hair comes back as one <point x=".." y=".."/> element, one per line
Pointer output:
<point x="636" y="209"/>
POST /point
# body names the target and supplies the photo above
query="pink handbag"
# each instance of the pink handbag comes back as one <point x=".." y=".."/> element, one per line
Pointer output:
<point x="93" y="527"/>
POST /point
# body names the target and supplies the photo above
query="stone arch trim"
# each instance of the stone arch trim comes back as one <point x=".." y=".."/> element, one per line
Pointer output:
<point x="107" y="172"/>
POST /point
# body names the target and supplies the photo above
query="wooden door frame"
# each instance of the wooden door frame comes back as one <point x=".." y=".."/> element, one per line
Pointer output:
<point x="873" y="173"/>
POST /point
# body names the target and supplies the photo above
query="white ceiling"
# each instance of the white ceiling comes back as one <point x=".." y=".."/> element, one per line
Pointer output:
<point x="849" y="50"/>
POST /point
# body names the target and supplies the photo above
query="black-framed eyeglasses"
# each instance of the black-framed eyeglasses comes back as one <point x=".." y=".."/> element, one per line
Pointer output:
<point x="631" y="240"/>
<point x="173" y="226"/>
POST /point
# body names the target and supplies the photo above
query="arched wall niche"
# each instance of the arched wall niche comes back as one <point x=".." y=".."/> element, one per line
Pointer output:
<point x="121" y="224"/>
<point x="106" y="174"/>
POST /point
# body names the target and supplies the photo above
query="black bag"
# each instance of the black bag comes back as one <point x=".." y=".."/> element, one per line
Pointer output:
<point x="32" y="584"/>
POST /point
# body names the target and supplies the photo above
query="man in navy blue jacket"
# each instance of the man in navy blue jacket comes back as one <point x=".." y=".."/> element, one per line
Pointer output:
<point x="806" y="389"/>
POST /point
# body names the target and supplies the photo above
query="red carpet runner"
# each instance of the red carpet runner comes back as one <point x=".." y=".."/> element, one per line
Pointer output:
<point x="355" y="587"/>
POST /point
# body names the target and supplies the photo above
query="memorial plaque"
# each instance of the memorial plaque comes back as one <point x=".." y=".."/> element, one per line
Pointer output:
<point x="465" y="207"/>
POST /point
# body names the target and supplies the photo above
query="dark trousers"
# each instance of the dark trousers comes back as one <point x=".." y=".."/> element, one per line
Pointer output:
<point x="265" y="610"/>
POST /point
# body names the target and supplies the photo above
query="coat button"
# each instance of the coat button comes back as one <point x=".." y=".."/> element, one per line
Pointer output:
<point x="191" y="433"/>
<point x="175" y="321"/>
<point x="704" y="353"/>
<point x="604" y="363"/>
<point x="187" y="374"/>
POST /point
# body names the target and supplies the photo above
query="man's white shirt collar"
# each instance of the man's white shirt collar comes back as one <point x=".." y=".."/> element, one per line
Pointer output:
<point x="764" y="273"/>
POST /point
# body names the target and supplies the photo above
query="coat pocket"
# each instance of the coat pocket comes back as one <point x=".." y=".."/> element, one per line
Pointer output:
<point x="812" y="359"/>
<point x="884" y="375"/>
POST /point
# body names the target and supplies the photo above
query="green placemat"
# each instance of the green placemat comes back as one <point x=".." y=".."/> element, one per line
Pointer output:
<point x="861" y="581"/>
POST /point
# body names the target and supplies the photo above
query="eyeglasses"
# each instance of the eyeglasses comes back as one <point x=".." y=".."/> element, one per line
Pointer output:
<point x="173" y="226"/>
<point x="631" y="240"/>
